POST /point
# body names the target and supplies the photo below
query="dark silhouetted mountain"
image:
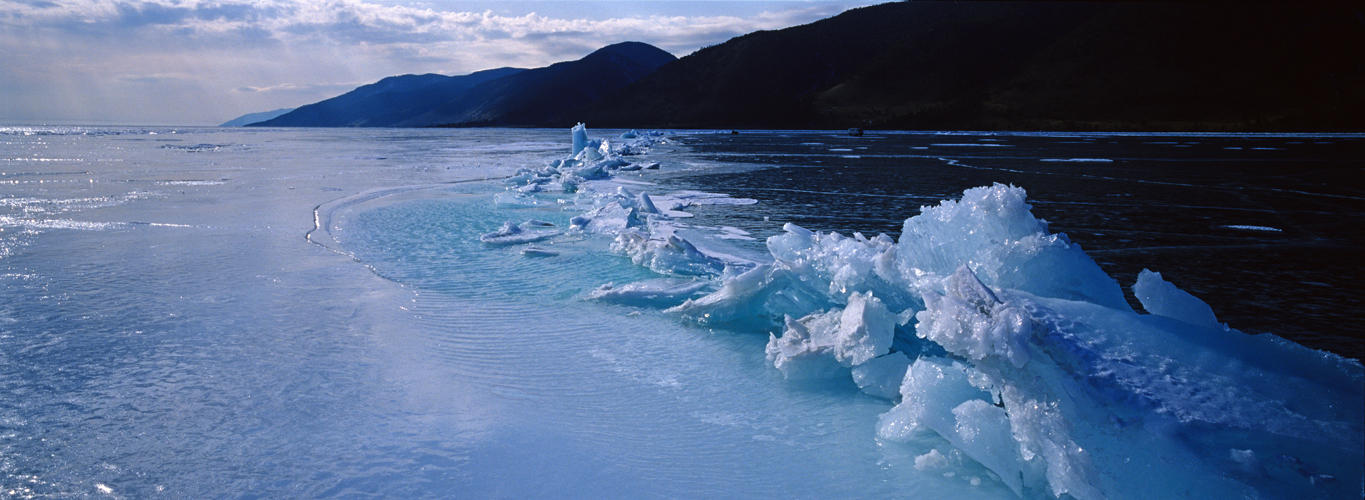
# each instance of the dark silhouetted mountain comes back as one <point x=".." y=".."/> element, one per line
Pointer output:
<point x="500" y="97"/>
<point x="548" y="96"/>
<point x="386" y="102"/>
<point x="1021" y="65"/>
<point x="251" y="118"/>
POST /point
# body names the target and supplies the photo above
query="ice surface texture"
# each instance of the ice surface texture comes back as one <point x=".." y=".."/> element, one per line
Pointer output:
<point x="989" y="332"/>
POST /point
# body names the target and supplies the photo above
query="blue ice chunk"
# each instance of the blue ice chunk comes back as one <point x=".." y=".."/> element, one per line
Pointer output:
<point x="1162" y="298"/>
<point x="512" y="234"/>
<point x="849" y="337"/>
<point x="646" y="204"/>
<point x="662" y="292"/>
<point x="991" y="230"/>
<point x="737" y="298"/>
<point x="671" y="255"/>
<point x="536" y="251"/>
<point x="971" y="321"/>
<point x="882" y="376"/>
<point x="580" y="138"/>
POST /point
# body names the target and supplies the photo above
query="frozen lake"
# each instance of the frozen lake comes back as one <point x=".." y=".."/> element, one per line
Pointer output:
<point x="316" y="313"/>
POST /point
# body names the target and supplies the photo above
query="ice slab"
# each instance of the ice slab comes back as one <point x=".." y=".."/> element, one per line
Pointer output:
<point x="580" y="137"/>
<point x="1254" y="228"/>
<point x="662" y="292"/>
<point x="526" y="232"/>
<point x="671" y="255"/>
<point x="971" y="321"/>
<point x="1162" y="298"/>
<point x="536" y="251"/>
<point x="814" y="345"/>
<point x="882" y="376"/>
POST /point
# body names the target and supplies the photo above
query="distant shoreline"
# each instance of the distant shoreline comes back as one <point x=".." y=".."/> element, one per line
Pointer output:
<point x="8" y="128"/>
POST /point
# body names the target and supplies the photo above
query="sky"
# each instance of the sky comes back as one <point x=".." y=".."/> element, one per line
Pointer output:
<point x="204" y="62"/>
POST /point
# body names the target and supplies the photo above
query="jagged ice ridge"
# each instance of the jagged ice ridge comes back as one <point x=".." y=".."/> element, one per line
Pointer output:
<point x="992" y="334"/>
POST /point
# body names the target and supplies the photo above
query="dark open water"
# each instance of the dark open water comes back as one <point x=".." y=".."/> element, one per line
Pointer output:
<point x="1269" y="230"/>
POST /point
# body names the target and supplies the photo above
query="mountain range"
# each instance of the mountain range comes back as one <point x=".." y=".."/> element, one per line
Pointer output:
<point x="251" y="118"/>
<point x="385" y="103"/>
<point x="497" y="97"/>
<point x="1179" y="66"/>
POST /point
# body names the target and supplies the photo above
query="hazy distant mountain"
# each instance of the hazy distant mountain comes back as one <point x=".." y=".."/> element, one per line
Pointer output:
<point x="386" y="102"/>
<point x="1022" y="65"/>
<point x="507" y="96"/>
<point x="548" y="96"/>
<point x="250" y="118"/>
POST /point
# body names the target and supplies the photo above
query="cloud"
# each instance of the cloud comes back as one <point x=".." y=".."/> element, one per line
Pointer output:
<point x="306" y="89"/>
<point x="358" y="22"/>
<point x="266" y="54"/>
<point x="157" y="79"/>
<point x="146" y="13"/>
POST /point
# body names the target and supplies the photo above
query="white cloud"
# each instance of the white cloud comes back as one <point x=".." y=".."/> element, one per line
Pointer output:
<point x="187" y="61"/>
<point x="303" y="89"/>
